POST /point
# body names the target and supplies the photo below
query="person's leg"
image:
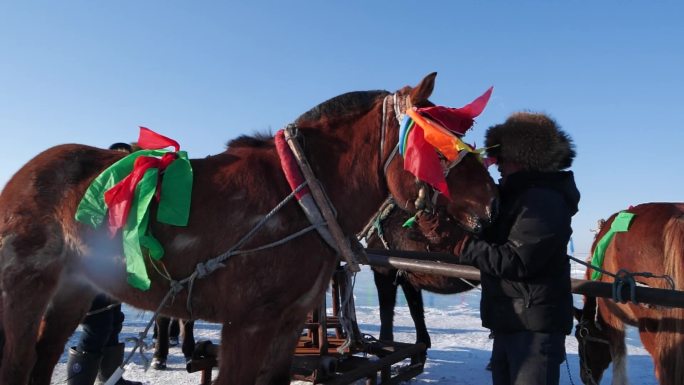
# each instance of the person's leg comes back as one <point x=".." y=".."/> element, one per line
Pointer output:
<point x="117" y="324"/>
<point x="535" y="358"/>
<point x="85" y="357"/>
<point x="489" y="364"/>
<point x="501" y="374"/>
<point x="82" y="367"/>
<point x="97" y="327"/>
<point x="113" y="352"/>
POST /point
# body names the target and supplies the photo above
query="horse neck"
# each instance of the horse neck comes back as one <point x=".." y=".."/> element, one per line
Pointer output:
<point x="346" y="159"/>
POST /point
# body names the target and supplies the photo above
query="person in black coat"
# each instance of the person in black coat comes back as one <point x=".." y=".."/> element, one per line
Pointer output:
<point x="526" y="299"/>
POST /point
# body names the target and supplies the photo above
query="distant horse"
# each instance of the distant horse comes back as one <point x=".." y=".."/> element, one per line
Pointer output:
<point x="390" y="234"/>
<point x="52" y="266"/>
<point x="654" y="243"/>
<point x="161" y="346"/>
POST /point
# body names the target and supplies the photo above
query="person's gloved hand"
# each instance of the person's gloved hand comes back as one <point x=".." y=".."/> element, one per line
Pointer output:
<point x="441" y="232"/>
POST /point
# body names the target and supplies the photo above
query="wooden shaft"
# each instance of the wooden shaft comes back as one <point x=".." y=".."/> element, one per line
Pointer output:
<point x="439" y="264"/>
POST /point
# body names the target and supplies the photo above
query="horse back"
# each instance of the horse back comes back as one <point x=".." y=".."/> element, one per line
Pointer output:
<point x="42" y="196"/>
<point x="644" y="246"/>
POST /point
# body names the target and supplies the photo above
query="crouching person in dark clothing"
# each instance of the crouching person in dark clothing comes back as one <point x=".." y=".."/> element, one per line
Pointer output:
<point x="99" y="353"/>
<point x="526" y="299"/>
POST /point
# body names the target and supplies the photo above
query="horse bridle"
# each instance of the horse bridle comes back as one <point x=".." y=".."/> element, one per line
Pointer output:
<point x="421" y="201"/>
<point x="383" y="128"/>
<point x="585" y="335"/>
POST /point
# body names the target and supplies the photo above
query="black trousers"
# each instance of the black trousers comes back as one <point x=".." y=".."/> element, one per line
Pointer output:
<point x="102" y="329"/>
<point x="527" y="358"/>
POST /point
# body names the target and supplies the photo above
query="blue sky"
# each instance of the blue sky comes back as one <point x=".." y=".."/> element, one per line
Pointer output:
<point x="202" y="72"/>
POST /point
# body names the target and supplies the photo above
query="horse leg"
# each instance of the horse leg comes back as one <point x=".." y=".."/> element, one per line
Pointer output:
<point x="665" y="343"/>
<point x="649" y="339"/>
<point x="30" y="276"/>
<point x="188" y="345"/>
<point x="63" y="315"/>
<point x="239" y="341"/>
<point x="414" y="298"/>
<point x="615" y="333"/>
<point x="279" y="360"/>
<point x="387" y="297"/>
<point x="161" y="347"/>
<point x="174" y="332"/>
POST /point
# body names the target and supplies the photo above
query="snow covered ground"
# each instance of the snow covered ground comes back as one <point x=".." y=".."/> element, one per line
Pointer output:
<point x="460" y="346"/>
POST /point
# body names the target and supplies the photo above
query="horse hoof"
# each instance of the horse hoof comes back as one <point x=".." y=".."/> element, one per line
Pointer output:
<point x="173" y="341"/>
<point x="158" y="364"/>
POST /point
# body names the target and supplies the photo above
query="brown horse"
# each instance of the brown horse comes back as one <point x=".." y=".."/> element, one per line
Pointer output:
<point x="390" y="234"/>
<point x="654" y="243"/>
<point x="52" y="266"/>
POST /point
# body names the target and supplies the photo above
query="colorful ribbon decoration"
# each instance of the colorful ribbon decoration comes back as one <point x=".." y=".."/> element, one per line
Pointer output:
<point x="620" y="224"/>
<point x="125" y="191"/>
<point x="426" y="131"/>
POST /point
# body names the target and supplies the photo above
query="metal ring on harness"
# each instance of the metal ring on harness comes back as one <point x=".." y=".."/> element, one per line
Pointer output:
<point x="622" y="278"/>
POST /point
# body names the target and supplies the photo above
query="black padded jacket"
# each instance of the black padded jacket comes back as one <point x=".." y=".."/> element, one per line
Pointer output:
<point x="523" y="256"/>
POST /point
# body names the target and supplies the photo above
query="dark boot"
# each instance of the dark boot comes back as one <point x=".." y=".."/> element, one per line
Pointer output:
<point x="82" y="367"/>
<point x="112" y="358"/>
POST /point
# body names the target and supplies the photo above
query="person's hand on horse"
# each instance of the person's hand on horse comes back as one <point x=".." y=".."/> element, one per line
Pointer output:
<point x="441" y="232"/>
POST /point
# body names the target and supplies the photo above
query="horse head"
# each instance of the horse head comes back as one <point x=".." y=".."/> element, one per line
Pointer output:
<point x="473" y="193"/>
<point x="355" y="136"/>
<point x="593" y="343"/>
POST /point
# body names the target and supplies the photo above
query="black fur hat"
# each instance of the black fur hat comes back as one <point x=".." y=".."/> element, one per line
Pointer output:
<point x="120" y="146"/>
<point x="533" y="140"/>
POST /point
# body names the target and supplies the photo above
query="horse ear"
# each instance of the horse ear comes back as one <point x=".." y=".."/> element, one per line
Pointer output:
<point x="421" y="92"/>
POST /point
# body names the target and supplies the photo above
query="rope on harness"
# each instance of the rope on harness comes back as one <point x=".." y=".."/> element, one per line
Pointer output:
<point x="102" y="309"/>
<point x="347" y="314"/>
<point x="203" y="269"/>
<point x="470" y="284"/>
<point x="624" y="278"/>
<point x="380" y="215"/>
<point x="139" y="342"/>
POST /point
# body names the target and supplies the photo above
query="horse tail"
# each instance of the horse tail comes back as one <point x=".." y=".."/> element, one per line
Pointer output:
<point x="673" y="239"/>
<point x="670" y="336"/>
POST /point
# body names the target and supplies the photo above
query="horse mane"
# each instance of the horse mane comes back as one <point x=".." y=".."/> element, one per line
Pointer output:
<point x="258" y="140"/>
<point x="341" y="106"/>
<point x="338" y="107"/>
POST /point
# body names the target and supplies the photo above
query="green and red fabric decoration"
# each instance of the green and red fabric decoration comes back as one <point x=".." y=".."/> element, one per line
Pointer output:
<point x="124" y="192"/>
<point x="620" y="224"/>
<point x="425" y="132"/>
